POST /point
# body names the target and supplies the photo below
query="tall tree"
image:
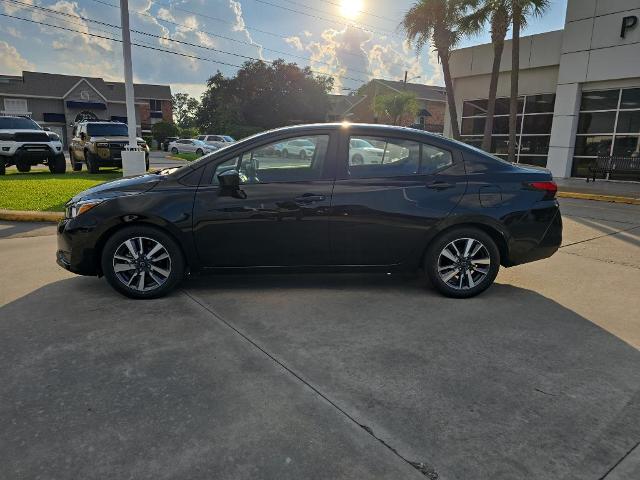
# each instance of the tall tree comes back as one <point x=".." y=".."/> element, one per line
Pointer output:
<point x="396" y="106"/>
<point x="264" y="95"/>
<point x="521" y="11"/>
<point x="185" y="108"/>
<point x="497" y="13"/>
<point x="437" y="23"/>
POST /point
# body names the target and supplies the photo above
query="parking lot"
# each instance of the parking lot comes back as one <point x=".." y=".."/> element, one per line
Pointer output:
<point x="327" y="376"/>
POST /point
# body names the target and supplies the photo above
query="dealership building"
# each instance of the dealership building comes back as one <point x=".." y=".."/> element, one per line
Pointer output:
<point x="579" y="90"/>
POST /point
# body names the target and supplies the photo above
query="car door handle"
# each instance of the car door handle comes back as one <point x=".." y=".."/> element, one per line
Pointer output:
<point x="310" y="198"/>
<point x="439" y="186"/>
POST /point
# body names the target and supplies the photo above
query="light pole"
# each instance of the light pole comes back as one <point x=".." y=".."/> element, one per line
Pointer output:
<point x="133" y="161"/>
<point x="406" y="74"/>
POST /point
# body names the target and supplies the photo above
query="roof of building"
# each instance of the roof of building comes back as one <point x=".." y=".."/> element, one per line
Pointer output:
<point x="422" y="91"/>
<point x="56" y="85"/>
<point x="342" y="104"/>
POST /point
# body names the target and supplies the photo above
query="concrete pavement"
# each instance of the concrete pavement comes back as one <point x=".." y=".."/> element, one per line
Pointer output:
<point x="327" y="376"/>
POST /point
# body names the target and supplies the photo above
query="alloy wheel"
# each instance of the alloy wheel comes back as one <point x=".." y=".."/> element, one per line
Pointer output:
<point x="464" y="263"/>
<point x="142" y="264"/>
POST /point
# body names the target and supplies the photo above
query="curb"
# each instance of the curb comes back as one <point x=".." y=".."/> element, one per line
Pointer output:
<point x="27" y="216"/>
<point x="600" y="198"/>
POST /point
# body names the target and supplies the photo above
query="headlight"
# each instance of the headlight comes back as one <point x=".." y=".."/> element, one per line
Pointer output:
<point x="78" y="208"/>
<point x="102" y="145"/>
<point x="54" y="137"/>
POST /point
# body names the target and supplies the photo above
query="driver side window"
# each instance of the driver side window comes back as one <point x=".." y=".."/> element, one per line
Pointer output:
<point x="297" y="159"/>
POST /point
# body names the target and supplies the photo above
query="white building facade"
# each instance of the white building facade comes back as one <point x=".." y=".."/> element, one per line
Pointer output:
<point x="579" y="90"/>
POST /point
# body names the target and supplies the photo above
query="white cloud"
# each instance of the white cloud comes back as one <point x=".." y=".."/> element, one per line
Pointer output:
<point x="11" y="62"/>
<point x="295" y="42"/>
<point x="240" y="26"/>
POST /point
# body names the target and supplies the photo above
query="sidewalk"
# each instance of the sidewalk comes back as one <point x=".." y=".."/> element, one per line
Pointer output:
<point x="603" y="190"/>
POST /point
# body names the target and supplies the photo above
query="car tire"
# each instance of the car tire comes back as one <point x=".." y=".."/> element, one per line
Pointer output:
<point x="174" y="150"/>
<point x="92" y="162"/>
<point x="199" y="152"/>
<point x="75" y="166"/>
<point x="357" y="159"/>
<point x="120" y="267"/>
<point x="58" y="164"/>
<point x="146" y="163"/>
<point x="23" y="167"/>
<point x="462" y="262"/>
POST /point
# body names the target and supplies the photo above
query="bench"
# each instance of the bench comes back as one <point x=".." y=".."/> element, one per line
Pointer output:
<point x="608" y="165"/>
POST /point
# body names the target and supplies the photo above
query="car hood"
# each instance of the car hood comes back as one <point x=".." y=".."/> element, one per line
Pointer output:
<point x="114" y="139"/>
<point x="120" y="187"/>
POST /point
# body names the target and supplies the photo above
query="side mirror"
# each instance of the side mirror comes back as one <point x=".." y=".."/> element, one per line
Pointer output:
<point x="229" y="180"/>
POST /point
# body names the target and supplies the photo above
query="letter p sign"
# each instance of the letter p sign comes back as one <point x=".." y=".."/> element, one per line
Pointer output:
<point x="627" y="24"/>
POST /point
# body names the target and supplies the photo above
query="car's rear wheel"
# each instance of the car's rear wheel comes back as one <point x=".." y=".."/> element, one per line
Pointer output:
<point x="174" y="150"/>
<point x="357" y="159"/>
<point x="142" y="262"/>
<point x="92" y="162"/>
<point x="199" y="152"/>
<point x="23" y="167"/>
<point x="58" y="164"/>
<point x="462" y="262"/>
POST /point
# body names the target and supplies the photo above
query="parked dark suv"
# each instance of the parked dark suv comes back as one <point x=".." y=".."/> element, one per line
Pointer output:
<point x="425" y="202"/>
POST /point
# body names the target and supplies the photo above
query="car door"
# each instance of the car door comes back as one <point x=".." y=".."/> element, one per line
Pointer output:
<point x="381" y="212"/>
<point x="279" y="217"/>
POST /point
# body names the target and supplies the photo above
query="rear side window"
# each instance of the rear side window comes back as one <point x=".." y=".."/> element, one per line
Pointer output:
<point x="375" y="157"/>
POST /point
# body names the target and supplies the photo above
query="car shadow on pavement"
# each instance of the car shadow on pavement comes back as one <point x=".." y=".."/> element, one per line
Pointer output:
<point x="507" y="385"/>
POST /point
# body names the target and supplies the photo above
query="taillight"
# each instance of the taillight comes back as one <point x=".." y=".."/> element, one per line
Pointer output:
<point x="550" y="188"/>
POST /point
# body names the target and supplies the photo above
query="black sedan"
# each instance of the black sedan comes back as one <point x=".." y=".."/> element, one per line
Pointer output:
<point x="360" y="196"/>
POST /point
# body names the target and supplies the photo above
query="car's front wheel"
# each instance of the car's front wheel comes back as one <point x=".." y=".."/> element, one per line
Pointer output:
<point x="174" y="150"/>
<point x="142" y="262"/>
<point x="462" y="262"/>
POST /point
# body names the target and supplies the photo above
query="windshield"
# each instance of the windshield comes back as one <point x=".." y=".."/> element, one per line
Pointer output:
<point x="18" y="123"/>
<point x="107" y="130"/>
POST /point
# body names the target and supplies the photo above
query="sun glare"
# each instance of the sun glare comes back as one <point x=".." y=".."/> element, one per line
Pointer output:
<point x="351" y="8"/>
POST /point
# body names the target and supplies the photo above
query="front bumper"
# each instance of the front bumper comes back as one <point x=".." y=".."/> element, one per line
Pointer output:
<point x="32" y="153"/>
<point x="76" y="247"/>
<point x="112" y="157"/>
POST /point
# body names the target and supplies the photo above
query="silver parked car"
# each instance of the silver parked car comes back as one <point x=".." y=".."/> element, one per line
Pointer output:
<point x="191" y="145"/>
<point x="217" y="140"/>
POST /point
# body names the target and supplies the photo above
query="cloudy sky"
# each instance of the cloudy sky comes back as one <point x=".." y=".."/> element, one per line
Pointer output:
<point x="353" y="40"/>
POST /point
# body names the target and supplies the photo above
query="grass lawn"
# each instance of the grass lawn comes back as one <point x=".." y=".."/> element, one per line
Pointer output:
<point x="43" y="191"/>
<point x="190" y="157"/>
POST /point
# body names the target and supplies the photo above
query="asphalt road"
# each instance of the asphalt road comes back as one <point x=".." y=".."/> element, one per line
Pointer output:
<point x="327" y="376"/>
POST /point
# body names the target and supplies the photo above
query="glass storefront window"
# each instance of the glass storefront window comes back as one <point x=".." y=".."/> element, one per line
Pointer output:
<point x="534" y="145"/>
<point x="581" y="167"/>
<point x="473" y="126"/>
<point x="537" y="111"/>
<point x="630" y="98"/>
<point x="593" y="146"/>
<point x="627" y="146"/>
<point x="602" y="100"/>
<point x="538" y="124"/>
<point x="531" y="160"/>
<point x="603" y="122"/>
<point x="629" y="122"/>
<point x="541" y="103"/>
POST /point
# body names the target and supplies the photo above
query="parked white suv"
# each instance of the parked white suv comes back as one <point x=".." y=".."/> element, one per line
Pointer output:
<point x="24" y="143"/>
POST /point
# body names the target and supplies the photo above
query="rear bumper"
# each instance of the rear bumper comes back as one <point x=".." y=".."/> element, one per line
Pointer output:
<point x="536" y="237"/>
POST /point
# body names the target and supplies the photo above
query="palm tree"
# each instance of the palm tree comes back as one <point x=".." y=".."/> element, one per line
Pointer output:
<point x="396" y="106"/>
<point x="498" y="14"/>
<point x="437" y="22"/>
<point x="521" y="11"/>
